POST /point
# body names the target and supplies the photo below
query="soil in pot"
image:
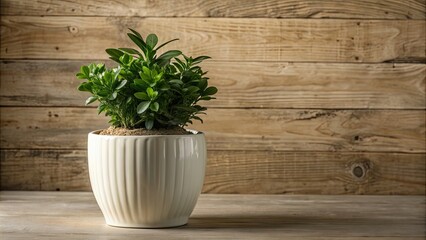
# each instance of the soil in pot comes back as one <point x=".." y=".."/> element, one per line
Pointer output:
<point x="142" y="131"/>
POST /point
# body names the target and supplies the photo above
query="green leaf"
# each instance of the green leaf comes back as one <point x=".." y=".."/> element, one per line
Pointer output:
<point x="91" y="99"/>
<point x="149" y="124"/>
<point x="199" y="108"/>
<point x="146" y="70"/>
<point x="138" y="41"/>
<point x="158" y="76"/>
<point x="101" y="108"/>
<point x="115" y="53"/>
<point x="186" y="108"/>
<point x="210" y="91"/>
<point x="207" y="98"/>
<point x="178" y="66"/>
<point x="113" y="96"/>
<point x="152" y="40"/>
<point x="162" y="62"/>
<point x="121" y="85"/>
<point x="116" y="73"/>
<point x="202" y="84"/>
<point x="170" y="54"/>
<point x="176" y="81"/>
<point x="115" y="60"/>
<point x="151" y="93"/>
<point x="143" y="106"/>
<point x="180" y="62"/>
<point x="103" y="93"/>
<point x="85" y="70"/>
<point x="85" y="87"/>
<point x="125" y="58"/>
<point x="145" y="77"/>
<point x="141" y="96"/>
<point x="154" y="107"/>
<point x="81" y="76"/>
<point x="136" y="33"/>
<point x="108" y="77"/>
<point x="162" y="45"/>
<point x="172" y="68"/>
<point x="192" y="89"/>
<point x="130" y="51"/>
<point x="200" y="59"/>
<point x="198" y="118"/>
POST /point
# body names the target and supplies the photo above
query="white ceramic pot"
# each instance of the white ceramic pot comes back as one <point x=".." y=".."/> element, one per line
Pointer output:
<point x="146" y="181"/>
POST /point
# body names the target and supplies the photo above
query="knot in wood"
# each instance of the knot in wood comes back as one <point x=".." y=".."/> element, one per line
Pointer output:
<point x="73" y="29"/>
<point x="360" y="169"/>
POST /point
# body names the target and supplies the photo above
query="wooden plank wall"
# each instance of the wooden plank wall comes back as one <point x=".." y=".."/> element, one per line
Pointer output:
<point x="316" y="97"/>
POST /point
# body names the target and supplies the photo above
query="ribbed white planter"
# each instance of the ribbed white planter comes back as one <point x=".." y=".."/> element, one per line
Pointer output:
<point x="146" y="181"/>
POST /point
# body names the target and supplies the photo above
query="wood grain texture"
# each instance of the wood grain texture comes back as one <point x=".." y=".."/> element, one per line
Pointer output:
<point x="256" y="172"/>
<point x="74" y="215"/>
<point x="236" y="129"/>
<point x="47" y="170"/>
<point x="235" y="39"/>
<point x="363" y="9"/>
<point x="242" y="85"/>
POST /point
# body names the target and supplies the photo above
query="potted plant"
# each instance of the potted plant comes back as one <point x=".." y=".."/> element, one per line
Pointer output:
<point x="146" y="170"/>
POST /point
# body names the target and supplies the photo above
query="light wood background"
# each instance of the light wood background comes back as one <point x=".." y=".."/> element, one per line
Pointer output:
<point x="316" y="97"/>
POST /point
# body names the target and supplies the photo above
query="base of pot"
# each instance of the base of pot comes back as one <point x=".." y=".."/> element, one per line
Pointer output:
<point x="166" y="224"/>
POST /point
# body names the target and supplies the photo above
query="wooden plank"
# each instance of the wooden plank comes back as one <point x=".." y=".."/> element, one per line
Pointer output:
<point x="74" y="215"/>
<point x="236" y="129"/>
<point x="47" y="170"/>
<point x="248" y="84"/>
<point x="363" y="9"/>
<point x="223" y="39"/>
<point x="269" y="172"/>
<point x="243" y="172"/>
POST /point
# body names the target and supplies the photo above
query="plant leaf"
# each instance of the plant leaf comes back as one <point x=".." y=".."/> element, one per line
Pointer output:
<point x="91" y="99"/>
<point x="152" y="40"/>
<point x="192" y="89"/>
<point x="200" y="59"/>
<point x="101" y="108"/>
<point x="176" y="81"/>
<point x="85" y="87"/>
<point x="169" y="55"/>
<point x="115" y="53"/>
<point x="186" y="108"/>
<point x="130" y="51"/>
<point x="115" y="59"/>
<point x="162" y="45"/>
<point x="149" y="124"/>
<point x="143" y="106"/>
<point x="121" y="85"/>
<point x="154" y="107"/>
<point x="210" y="91"/>
<point x="202" y="84"/>
<point x="207" y="98"/>
<point x="151" y="93"/>
<point x="113" y="96"/>
<point x="142" y="96"/>
<point x="81" y="76"/>
<point x="138" y="41"/>
<point x="136" y="33"/>
<point x="85" y="70"/>
<point x="198" y="118"/>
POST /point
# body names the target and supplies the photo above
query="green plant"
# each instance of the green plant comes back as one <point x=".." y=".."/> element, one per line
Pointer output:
<point x="147" y="90"/>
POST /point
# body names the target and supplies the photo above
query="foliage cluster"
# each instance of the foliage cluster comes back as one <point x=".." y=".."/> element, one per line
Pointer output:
<point x="146" y="90"/>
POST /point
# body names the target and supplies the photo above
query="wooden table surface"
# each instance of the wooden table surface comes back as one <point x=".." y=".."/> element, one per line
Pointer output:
<point x="75" y="215"/>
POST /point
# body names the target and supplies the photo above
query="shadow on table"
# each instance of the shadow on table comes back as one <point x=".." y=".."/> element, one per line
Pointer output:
<point x="270" y="221"/>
